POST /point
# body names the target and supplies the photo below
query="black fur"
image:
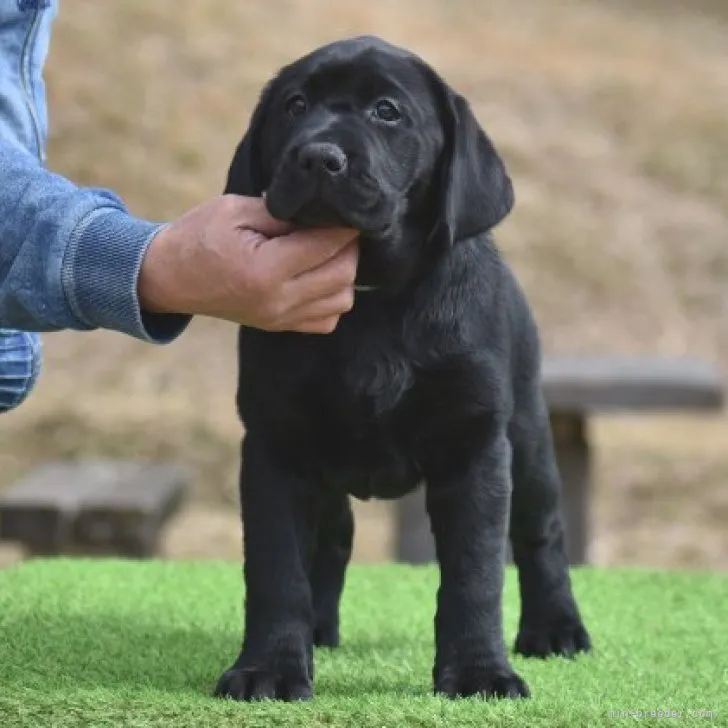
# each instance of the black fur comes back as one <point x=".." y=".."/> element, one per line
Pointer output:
<point x="432" y="378"/>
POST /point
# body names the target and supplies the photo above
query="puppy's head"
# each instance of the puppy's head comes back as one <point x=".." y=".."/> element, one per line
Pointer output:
<point x="363" y="134"/>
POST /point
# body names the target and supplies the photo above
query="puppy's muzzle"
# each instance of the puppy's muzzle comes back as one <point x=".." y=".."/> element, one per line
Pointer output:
<point x="322" y="159"/>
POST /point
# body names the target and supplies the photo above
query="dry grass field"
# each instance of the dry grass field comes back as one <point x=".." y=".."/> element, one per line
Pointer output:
<point x="613" y="118"/>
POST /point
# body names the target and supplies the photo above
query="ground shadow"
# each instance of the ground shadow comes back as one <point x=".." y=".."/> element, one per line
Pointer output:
<point x="110" y="651"/>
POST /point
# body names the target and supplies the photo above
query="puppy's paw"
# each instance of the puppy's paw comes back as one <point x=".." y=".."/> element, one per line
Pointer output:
<point x="288" y="683"/>
<point x="326" y="633"/>
<point x="563" y="638"/>
<point x="482" y="680"/>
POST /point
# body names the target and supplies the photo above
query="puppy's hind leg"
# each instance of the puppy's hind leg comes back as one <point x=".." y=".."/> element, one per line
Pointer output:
<point x="550" y="620"/>
<point x="328" y="568"/>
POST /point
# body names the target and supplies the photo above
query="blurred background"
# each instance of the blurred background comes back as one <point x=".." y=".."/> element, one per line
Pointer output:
<point x="612" y="116"/>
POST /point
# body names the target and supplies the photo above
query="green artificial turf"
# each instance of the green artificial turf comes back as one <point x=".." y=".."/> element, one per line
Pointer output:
<point x="113" y="643"/>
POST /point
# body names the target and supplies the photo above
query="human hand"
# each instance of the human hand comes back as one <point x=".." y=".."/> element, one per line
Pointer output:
<point x="229" y="259"/>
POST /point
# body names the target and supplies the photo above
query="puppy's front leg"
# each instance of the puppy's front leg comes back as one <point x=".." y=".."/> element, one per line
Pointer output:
<point x="279" y="521"/>
<point x="468" y="505"/>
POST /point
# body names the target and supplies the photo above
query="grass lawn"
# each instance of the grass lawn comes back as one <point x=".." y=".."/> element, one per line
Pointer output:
<point x="111" y="643"/>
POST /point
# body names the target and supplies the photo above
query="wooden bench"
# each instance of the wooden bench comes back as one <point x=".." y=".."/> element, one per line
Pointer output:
<point x="92" y="507"/>
<point x="575" y="389"/>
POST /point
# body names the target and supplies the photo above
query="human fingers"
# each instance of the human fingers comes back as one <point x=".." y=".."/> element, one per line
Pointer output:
<point x="302" y="251"/>
<point x="325" y="325"/>
<point x="331" y="277"/>
<point x="334" y="305"/>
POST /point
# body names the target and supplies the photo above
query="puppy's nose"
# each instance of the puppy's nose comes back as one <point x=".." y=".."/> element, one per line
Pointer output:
<point x="324" y="157"/>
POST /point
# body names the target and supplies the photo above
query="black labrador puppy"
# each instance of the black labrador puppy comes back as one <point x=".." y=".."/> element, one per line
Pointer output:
<point x="432" y="378"/>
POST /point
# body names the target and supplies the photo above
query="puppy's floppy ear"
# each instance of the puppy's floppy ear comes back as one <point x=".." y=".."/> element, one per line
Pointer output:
<point x="476" y="191"/>
<point x="246" y="175"/>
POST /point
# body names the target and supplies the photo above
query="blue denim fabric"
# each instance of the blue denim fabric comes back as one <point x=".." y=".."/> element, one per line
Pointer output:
<point x="23" y="122"/>
<point x="69" y="256"/>
<point x="20" y="359"/>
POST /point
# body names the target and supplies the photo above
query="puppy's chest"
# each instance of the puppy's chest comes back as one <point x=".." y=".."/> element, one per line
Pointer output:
<point x="362" y="407"/>
<point x="369" y="383"/>
<point x="362" y="423"/>
<point x="345" y="402"/>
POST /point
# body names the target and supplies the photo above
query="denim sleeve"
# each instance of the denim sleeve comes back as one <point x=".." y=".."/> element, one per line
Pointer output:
<point x="69" y="256"/>
<point x="20" y="361"/>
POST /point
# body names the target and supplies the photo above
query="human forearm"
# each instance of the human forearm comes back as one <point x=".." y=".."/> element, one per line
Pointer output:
<point x="70" y="256"/>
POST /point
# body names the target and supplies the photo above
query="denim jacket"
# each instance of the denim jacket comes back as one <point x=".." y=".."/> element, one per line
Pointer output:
<point x="69" y="256"/>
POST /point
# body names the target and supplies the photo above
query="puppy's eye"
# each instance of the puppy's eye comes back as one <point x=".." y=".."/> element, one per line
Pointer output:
<point x="387" y="111"/>
<point x="296" y="105"/>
